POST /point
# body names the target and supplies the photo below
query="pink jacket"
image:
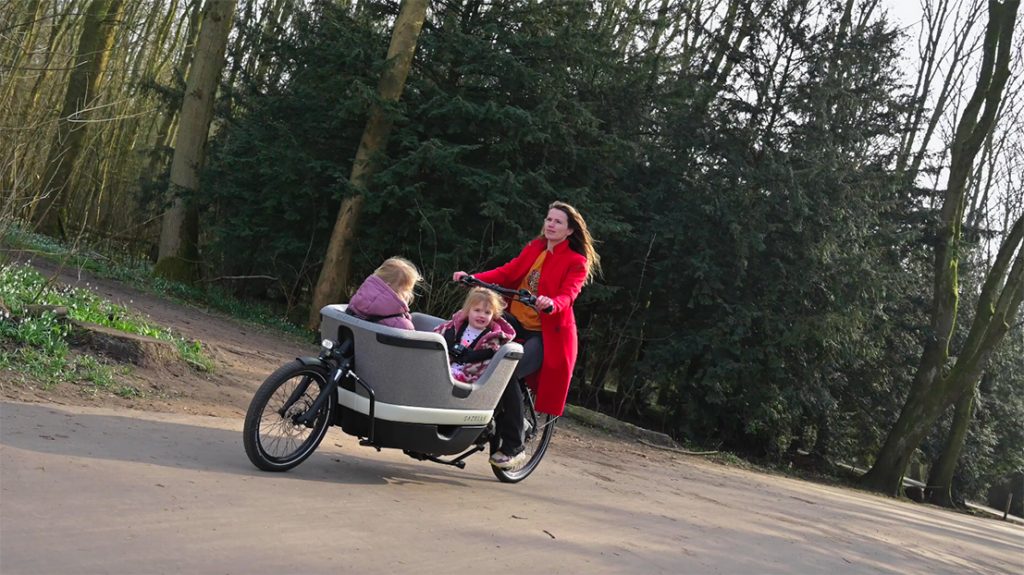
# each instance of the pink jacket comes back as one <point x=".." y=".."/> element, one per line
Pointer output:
<point x="376" y="298"/>
<point x="497" y="334"/>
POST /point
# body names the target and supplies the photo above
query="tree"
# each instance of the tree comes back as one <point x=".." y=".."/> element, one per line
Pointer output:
<point x="776" y="249"/>
<point x="933" y="390"/>
<point x="765" y="262"/>
<point x="996" y="311"/>
<point x="337" y="266"/>
<point x="24" y="41"/>
<point x="101" y="19"/>
<point x="948" y="485"/>
<point x="179" y="232"/>
<point x="937" y="26"/>
<point x="276" y="172"/>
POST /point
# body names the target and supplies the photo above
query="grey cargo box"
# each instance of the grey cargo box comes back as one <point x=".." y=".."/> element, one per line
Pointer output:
<point x="410" y="368"/>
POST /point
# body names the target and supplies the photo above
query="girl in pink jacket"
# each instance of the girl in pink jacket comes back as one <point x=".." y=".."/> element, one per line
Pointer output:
<point x="474" y="333"/>
<point x="385" y="296"/>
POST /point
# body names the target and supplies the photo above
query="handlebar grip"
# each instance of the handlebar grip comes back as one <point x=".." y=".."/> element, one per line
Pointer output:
<point x="532" y="302"/>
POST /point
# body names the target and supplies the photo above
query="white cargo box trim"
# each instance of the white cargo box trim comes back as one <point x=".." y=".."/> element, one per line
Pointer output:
<point x="408" y="414"/>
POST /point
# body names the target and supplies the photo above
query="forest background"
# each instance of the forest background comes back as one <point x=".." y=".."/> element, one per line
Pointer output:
<point x="809" y="216"/>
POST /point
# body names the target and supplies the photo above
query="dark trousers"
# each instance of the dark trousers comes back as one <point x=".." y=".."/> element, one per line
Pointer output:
<point x="510" y="409"/>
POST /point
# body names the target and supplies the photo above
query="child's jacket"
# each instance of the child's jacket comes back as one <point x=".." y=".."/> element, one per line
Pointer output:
<point x="376" y="301"/>
<point x="473" y="362"/>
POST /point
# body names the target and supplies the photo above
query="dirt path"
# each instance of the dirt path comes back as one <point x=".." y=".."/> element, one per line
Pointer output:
<point x="92" y="490"/>
<point x="90" y="485"/>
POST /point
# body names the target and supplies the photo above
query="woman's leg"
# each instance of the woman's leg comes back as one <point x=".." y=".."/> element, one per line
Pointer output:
<point x="533" y="357"/>
<point x="510" y="419"/>
<point x="510" y="414"/>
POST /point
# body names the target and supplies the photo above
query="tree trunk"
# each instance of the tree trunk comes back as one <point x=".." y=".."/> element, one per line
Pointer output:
<point x="179" y="232"/>
<point x="193" y="9"/>
<point x="271" y="18"/>
<point x="61" y="25"/>
<point x="994" y="314"/>
<point x="162" y="145"/>
<point x="338" y="263"/>
<point x="940" y="479"/>
<point x="25" y="44"/>
<point x="93" y="52"/>
<point x="14" y="94"/>
<point x="157" y="56"/>
<point x="931" y="392"/>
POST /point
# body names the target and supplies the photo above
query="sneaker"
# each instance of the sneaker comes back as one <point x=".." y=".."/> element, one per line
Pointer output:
<point x="502" y="461"/>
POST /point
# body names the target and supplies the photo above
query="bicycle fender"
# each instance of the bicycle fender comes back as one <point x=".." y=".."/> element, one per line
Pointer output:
<point x="309" y="361"/>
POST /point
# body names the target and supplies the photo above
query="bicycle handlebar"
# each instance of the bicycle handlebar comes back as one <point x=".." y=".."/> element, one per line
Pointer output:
<point x="522" y="295"/>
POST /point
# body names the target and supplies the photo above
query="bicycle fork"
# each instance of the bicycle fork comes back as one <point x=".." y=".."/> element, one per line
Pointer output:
<point x="330" y="387"/>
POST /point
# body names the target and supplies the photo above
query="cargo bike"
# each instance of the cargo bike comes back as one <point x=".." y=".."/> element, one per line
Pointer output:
<point x="391" y="388"/>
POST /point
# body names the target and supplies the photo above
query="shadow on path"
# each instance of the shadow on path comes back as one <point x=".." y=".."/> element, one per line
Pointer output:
<point x="214" y="448"/>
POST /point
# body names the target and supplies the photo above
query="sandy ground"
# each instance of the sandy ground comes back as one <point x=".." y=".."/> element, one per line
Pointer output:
<point x="97" y="490"/>
<point x="93" y="483"/>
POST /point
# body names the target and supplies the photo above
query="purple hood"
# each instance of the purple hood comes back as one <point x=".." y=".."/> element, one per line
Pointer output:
<point x="375" y="297"/>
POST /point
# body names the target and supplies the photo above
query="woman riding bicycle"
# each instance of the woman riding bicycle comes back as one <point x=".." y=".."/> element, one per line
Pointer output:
<point x="555" y="266"/>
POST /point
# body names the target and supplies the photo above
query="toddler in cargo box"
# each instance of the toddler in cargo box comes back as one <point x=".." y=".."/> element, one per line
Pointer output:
<point x="474" y="333"/>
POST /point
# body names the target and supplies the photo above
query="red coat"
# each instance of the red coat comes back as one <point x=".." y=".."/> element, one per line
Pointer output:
<point x="561" y="277"/>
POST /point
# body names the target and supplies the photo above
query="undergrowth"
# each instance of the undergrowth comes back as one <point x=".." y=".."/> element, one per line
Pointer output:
<point x="36" y="343"/>
<point x="137" y="272"/>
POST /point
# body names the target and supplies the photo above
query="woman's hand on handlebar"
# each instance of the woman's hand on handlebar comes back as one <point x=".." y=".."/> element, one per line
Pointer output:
<point x="457" y="276"/>
<point x="544" y="303"/>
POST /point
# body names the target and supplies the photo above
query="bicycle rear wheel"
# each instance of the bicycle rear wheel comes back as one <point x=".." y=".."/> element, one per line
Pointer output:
<point x="539" y="427"/>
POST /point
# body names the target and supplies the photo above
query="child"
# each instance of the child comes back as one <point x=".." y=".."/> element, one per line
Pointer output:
<point x="385" y="296"/>
<point x="474" y="333"/>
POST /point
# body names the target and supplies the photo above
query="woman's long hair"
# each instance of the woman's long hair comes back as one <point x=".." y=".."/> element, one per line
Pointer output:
<point x="580" y="240"/>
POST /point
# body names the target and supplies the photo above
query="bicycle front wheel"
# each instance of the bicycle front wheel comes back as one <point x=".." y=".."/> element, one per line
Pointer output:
<point x="274" y="439"/>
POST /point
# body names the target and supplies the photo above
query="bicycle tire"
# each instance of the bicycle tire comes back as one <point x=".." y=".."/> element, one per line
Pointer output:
<point x="272" y="439"/>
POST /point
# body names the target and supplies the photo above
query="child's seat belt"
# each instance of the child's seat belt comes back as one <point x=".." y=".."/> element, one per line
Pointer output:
<point x="458" y="335"/>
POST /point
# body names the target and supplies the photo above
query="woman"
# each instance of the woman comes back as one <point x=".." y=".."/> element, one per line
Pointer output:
<point x="554" y="266"/>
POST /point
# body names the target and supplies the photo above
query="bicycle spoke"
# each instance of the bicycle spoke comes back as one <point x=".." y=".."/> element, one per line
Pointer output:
<point x="281" y="436"/>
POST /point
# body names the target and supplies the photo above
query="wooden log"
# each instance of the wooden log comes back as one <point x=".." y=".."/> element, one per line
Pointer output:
<point x="37" y="310"/>
<point x="120" y="346"/>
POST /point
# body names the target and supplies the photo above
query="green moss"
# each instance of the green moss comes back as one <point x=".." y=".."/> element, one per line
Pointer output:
<point x="177" y="269"/>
